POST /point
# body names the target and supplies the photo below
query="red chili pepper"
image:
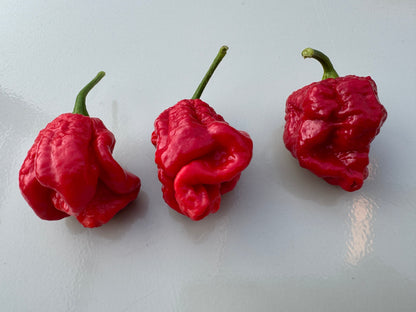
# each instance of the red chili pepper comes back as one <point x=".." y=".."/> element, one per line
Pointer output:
<point x="70" y="170"/>
<point x="331" y="123"/>
<point x="198" y="154"/>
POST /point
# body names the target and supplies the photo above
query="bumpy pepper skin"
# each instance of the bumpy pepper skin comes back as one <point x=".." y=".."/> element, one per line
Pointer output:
<point x="70" y="170"/>
<point x="199" y="157"/>
<point x="330" y="125"/>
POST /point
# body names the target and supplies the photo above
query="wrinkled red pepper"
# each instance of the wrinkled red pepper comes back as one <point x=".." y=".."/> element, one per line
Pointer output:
<point x="198" y="154"/>
<point x="331" y="123"/>
<point x="70" y="170"/>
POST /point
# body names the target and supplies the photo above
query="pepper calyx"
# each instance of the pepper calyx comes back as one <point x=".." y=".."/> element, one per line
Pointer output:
<point x="211" y="69"/>
<point x="329" y="71"/>
<point x="80" y="107"/>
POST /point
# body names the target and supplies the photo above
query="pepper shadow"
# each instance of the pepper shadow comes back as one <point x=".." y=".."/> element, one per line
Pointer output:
<point x="300" y="181"/>
<point x="120" y="223"/>
<point x="199" y="231"/>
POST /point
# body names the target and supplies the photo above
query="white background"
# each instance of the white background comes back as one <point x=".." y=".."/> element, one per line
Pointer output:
<point x="283" y="240"/>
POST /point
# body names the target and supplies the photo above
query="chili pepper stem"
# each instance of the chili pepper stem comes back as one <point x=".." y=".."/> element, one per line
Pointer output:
<point x="329" y="71"/>
<point x="217" y="60"/>
<point x="80" y="107"/>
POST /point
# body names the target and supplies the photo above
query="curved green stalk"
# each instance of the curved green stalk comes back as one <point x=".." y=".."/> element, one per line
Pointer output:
<point x="329" y="71"/>
<point x="210" y="71"/>
<point x="80" y="107"/>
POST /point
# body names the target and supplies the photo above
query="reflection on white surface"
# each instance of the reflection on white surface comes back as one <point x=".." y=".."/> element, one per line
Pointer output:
<point x="361" y="235"/>
<point x="372" y="169"/>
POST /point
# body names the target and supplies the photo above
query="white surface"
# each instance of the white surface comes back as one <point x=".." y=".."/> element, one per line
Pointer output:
<point x="283" y="240"/>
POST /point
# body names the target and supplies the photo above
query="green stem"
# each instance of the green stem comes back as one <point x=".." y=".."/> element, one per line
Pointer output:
<point x="80" y="107"/>
<point x="210" y="71"/>
<point x="329" y="71"/>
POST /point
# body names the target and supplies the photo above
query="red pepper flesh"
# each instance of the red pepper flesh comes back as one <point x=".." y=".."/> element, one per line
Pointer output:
<point x="70" y="170"/>
<point x="330" y="125"/>
<point x="199" y="156"/>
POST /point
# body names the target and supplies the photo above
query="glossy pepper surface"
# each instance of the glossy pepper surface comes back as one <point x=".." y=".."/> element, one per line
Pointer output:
<point x="331" y="123"/>
<point x="199" y="155"/>
<point x="70" y="170"/>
